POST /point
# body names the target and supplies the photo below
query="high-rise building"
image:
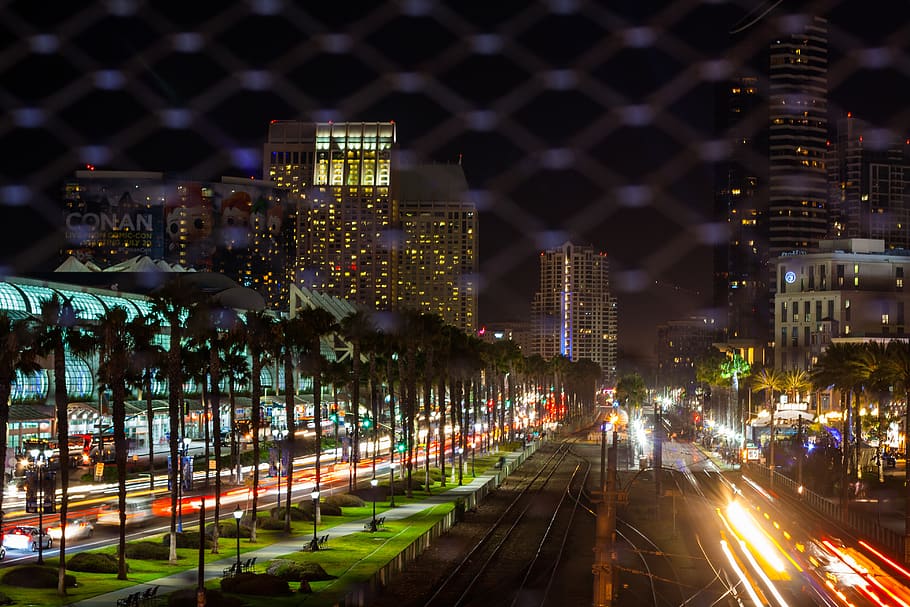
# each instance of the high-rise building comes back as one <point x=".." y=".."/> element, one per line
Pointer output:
<point x="798" y="132"/>
<point x="741" y="294"/>
<point x="341" y="175"/>
<point x="573" y="313"/>
<point x="438" y="260"/>
<point x="238" y="227"/>
<point x="869" y="184"/>
<point x="680" y="343"/>
<point x="851" y="288"/>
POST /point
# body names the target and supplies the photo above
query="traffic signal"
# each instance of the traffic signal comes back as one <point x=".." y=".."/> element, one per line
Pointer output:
<point x="366" y="423"/>
<point x="400" y="446"/>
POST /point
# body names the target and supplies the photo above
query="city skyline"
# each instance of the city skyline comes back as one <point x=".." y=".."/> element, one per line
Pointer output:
<point x="571" y="121"/>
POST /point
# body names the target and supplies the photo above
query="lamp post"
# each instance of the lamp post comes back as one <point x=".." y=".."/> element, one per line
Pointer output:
<point x="238" y="514"/>
<point x="277" y="436"/>
<point x="374" y="482"/>
<point x="314" y="545"/>
<point x="40" y="457"/>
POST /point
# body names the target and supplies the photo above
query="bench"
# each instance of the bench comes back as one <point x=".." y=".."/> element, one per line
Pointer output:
<point x="149" y="596"/>
<point x="324" y="541"/>
<point x="130" y="601"/>
<point x="231" y="571"/>
<point x="249" y="565"/>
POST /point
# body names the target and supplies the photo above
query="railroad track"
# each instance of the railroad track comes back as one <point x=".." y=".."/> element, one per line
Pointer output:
<point x="519" y="554"/>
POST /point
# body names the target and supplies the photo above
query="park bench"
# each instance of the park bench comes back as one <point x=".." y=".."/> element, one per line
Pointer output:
<point x="249" y="565"/>
<point x="149" y="596"/>
<point x="130" y="601"/>
<point x="231" y="571"/>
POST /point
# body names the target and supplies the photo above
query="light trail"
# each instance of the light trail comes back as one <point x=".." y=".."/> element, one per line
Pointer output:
<point x="740" y="573"/>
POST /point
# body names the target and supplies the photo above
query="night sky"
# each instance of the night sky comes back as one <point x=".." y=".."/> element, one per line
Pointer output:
<point x="590" y="121"/>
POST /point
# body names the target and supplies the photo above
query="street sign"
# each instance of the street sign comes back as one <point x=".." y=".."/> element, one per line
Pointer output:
<point x="99" y="471"/>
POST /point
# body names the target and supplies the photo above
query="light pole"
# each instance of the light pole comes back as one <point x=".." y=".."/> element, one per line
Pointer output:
<point x="374" y="482"/>
<point x="40" y="457"/>
<point x="314" y="545"/>
<point x="238" y="514"/>
<point x="277" y="436"/>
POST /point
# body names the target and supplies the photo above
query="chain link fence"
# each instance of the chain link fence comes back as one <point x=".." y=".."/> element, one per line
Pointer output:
<point x="585" y="120"/>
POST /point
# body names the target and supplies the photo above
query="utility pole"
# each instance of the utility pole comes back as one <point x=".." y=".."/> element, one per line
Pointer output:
<point x="605" y="535"/>
<point x="658" y="450"/>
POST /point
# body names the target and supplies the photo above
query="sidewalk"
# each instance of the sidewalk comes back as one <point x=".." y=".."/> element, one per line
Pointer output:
<point x="214" y="570"/>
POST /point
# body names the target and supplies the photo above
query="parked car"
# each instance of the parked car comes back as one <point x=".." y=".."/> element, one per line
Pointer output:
<point x="2" y="553"/>
<point x="75" y="529"/>
<point x="26" y="538"/>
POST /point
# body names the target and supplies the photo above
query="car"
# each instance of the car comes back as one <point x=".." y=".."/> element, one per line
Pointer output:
<point x="138" y="512"/>
<point x="2" y="553"/>
<point x="26" y="538"/>
<point x="75" y="529"/>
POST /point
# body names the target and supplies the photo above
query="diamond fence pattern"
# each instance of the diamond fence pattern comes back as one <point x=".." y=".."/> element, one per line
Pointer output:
<point x="589" y="120"/>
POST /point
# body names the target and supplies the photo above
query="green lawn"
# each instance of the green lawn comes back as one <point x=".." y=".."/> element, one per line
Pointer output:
<point x="353" y="559"/>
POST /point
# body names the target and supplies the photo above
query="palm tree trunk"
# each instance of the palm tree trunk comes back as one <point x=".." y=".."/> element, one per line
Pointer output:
<point x="289" y="445"/>
<point x="174" y="410"/>
<point x="62" y="401"/>
<point x="256" y="388"/>
<point x="235" y="444"/>
<point x="426" y="413"/>
<point x="5" y="390"/>
<point x="119" y="413"/>
<point x="215" y="395"/>
<point x="149" y="421"/>
<point x="206" y="412"/>
<point x="442" y="432"/>
<point x="317" y="420"/>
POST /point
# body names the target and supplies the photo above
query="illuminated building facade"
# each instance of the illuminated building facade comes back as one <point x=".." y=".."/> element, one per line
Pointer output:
<point x="798" y="132"/>
<point x="848" y="289"/>
<point x="680" y="343"/>
<point x="438" y="261"/>
<point x="869" y="184"/>
<point x="741" y="295"/>
<point x="238" y="227"/>
<point x="341" y="177"/>
<point x="573" y="313"/>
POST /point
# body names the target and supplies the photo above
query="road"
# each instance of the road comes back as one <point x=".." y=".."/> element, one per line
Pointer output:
<point x="766" y="550"/>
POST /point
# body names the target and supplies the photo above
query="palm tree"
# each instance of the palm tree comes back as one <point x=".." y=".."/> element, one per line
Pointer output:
<point x="236" y="368"/>
<point x="55" y="325"/>
<point x="770" y="381"/>
<point x="314" y="324"/>
<point x="148" y="358"/>
<point x="897" y="368"/>
<point x="114" y="364"/>
<point x="872" y="369"/>
<point x="355" y="328"/>
<point x="172" y="304"/>
<point x="17" y="355"/>
<point x="287" y="344"/>
<point x="258" y="338"/>
<point x="837" y="367"/>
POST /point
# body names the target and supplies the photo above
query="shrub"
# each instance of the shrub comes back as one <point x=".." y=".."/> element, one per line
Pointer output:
<point x="5" y="600"/>
<point x="36" y="576"/>
<point x="148" y="551"/>
<point x="294" y="571"/>
<point x="230" y="530"/>
<point x="326" y="509"/>
<point x="186" y="597"/>
<point x="343" y="500"/>
<point x="91" y="562"/>
<point x="261" y="584"/>
<point x="296" y="514"/>
<point x="272" y="524"/>
<point x="186" y="539"/>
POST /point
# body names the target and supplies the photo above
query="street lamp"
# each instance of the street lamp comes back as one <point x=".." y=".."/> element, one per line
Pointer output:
<point x="277" y="435"/>
<point x="314" y="545"/>
<point x="373" y="483"/>
<point x="40" y="457"/>
<point x="238" y="514"/>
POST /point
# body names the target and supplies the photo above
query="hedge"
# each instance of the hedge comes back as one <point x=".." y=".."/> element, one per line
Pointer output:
<point x="91" y="562"/>
<point x="36" y="576"/>
<point x="261" y="584"/>
<point x="148" y="551"/>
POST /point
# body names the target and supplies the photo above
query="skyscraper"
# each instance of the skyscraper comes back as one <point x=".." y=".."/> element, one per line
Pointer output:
<point x="573" y="312"/>
<point x="797" y="209"/>
<point x="741" y="293"/>
<point x="341" y="175"/>
<point x="438" y="262"/>
<point x="869" y="184"/>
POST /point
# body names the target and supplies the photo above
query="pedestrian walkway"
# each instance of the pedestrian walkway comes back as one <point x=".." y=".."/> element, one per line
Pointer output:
<point x="215" y="569"/>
